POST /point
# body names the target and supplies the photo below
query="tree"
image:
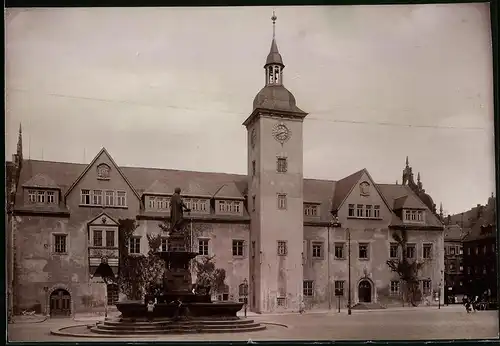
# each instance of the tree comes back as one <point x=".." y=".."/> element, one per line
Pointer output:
<point x="136" y="271"/>
<point x="207" y="275"/>
<point x="408" y="270"/>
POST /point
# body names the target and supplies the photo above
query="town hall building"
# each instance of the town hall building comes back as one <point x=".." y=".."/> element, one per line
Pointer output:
<point x="291" y="238"/>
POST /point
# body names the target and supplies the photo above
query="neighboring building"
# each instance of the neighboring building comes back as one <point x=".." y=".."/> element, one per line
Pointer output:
<point x="454" y="287"/>
<point x="480" y="253"/>
<point x="271" y="226"/>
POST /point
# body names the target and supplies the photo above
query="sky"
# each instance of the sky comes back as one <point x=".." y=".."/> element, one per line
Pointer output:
<point x="171" y="87"/>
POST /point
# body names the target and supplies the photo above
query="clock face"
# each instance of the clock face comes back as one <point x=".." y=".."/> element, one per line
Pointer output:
<point x="253" y="138"/>
<point x="281" y="133"/>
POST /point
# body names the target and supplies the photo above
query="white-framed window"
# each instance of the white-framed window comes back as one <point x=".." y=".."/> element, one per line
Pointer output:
<point x="110" y="238"/>
<point x="51" y="197"/>
<point x="121" y="198"/>
<point x="237" y="206"/>
<point x="282" y="201"/>
<point x="281" y="301"/>
<point x="110" y="198"/>
<point x="60" y="243"/>
<point x="420" y="215"/>
<point x="164" y="244"/>
<point x="394" y="250"/>
<point x="282" y="248"/>
<point x="395" y="287"/>
<point x="281" y="165"/>
<point x="222" y="206"/>
<point x="339" y="287"/>
<point x="238" y="246"/>
<point x="359" y="210"/>
<point x="427" y="251"/>
<point x="308" y="288"/>
<point x="152" y="201"/>
<point x="40" y="196"/>
<point x="351" y="210"/>
<point x="317" y="250"/>
<point x="339" y="251"/>
<point x="203" y="247"/>
<point x="134" y="245"/>
<point x="32" y="196"/>
<point x="426" y="287"/>
<point x="407" y="215"/>
<point x="97" y="238"/>
<point x="376" y="211"/>
<point x="363" y="249"/>
<point x="310" y="210"/>
<point x="85" y="197"/>
<point x="368" y="210"/>
<point x="97" y="197"/>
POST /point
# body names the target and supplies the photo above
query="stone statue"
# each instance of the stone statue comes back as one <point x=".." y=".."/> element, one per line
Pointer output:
<point x="177" y="208"/>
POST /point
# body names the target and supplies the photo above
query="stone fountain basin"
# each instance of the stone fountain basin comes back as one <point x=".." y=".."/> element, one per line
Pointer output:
<point x="138" y="309"/>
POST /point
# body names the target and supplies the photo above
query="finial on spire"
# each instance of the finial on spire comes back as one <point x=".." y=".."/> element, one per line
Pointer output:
<point x="418" y="177"/>
<point x="407" y="163"/>
<point x="273" y="18"/>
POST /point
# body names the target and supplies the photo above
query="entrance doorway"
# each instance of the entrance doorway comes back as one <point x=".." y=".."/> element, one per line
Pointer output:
<point x="60" y="303"/>
<point x="365" y="291"/>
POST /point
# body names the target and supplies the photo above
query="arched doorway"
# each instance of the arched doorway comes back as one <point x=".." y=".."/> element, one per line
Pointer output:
<point x="60" y="303"/>
<point x="365" y="291"/>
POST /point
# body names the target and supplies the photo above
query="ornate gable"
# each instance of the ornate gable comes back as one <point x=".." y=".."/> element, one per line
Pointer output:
<point x="103" y="219"/>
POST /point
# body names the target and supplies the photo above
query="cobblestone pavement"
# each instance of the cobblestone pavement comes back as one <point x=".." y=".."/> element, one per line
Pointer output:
<point x="404" y="324"/>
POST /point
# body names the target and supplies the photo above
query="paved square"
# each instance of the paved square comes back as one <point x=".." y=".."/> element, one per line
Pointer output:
<point x="404" y="324"/>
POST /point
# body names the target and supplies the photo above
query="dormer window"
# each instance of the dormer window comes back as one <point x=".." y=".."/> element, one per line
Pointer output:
<point x="42" y="197"/>
<point x="229" y="207"/>
<point x="311" y="210"/>
<point x="413" y="215"/>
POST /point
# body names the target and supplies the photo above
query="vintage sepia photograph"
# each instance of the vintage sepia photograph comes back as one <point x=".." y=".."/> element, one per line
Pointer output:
<point x="250" y="173"/>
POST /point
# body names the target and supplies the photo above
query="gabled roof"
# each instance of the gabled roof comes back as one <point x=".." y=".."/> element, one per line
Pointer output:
<point x="408" y="202"/>
<point x="343" y="188"/>
<point x="103" y="151"/>
<point x="453" y="233"/>
<point x="100" y="217"/>
<point x="41" y="180"/>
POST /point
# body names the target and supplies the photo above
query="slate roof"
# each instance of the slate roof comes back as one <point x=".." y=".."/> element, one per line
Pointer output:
<point x="41" y="180"/>
<point x="454" y="233"/>
<point x="328" y="194"/>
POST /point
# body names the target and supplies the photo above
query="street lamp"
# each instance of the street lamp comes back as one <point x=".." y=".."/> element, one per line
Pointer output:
<point x="440" y="286"/>
<point x="349" y="312"/>
<point x="334" y="223"/>
<point x="244" y="290"/>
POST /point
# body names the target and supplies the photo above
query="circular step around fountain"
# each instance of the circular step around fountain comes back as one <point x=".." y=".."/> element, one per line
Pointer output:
<point x="120" y="327"/>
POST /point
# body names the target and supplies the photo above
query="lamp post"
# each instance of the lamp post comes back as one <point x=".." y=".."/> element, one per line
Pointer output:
<point x="349" y="312"/>
<point x="333" y="223"/>
<point x="439" y="291"/>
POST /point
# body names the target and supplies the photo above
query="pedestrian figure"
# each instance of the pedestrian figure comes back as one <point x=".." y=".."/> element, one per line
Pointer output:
<point x="301" y="306"/>
<point x="151" y="307"/>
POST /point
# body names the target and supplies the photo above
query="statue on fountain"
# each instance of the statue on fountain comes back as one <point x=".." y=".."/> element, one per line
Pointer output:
<point x="177" y="208"/>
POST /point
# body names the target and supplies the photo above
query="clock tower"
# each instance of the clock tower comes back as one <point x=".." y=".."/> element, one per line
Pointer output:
<point x="275" y="192"/>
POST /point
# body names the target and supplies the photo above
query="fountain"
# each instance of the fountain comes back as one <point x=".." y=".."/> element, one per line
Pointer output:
<point x="178" y="308"/>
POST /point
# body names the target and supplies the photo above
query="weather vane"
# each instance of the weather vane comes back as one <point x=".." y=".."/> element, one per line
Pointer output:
<point x="273" y="18"/>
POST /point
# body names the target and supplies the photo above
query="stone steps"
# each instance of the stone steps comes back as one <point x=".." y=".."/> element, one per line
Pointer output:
<point x="120" y="328"/>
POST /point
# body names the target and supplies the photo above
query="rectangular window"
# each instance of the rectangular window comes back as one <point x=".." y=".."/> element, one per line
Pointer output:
<point x="222" y="206"/>
<point x="237" y="207"/>
<point x="152" y="202"/>
<point x="188" y="202"/>
<point x="339" y="287"/>
<point x="85" y="197"/>
<point x="368" y="210"/>
<point x="452" y="251"/>
<point x="282" y="201"/>
<point x="229" y="207"/>
<point x="420" y="215"/>
<point x="376" y="211"/>
<point x="112" y="293"/>
<point x="407" y="215"/>
<point x="253" y="203"/>
<point x="134" y="245"/>
<point x="253" y="168"/>
<point x="282" y="165"/>
<point x="310" y="210"/>
<point x="281" y="301"/>
<point x="253" y="249"/>
<point x="393" y="250"/>
<point x="110" y="198"/>
<point x="339" y="251"/>
<point x="394" y="288"/>
<point x="110" y="238"/>
<point x="426" y="287"/>
<point x="238" y="248"/>
<point x="308" y="288"/>
<point x="351" y="210"/>
<point x="461" y="249"/>
<point x="51" y="197"/>
<point x="410" y="251"/>
<point x="164" y="246"/>
<point x="60" y="243"/>
<point x="121" y="198"/>
<point x="97" y="197"/>
<point x="97" y="238"/>
<point x="317" y="250"/>
<point x="427" y="251"/>
<point x="203" y="247"/>
<point x="32" y="196"/>
<point x="40" y="196"/>
<point x="363" y="251"/>
<point x="359" y="210"/>
<point x="282" y="248"/>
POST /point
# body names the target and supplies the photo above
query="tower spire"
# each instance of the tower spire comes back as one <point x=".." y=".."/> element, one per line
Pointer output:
<point x="20" y="143"/>
<point x="407" y="162"/>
